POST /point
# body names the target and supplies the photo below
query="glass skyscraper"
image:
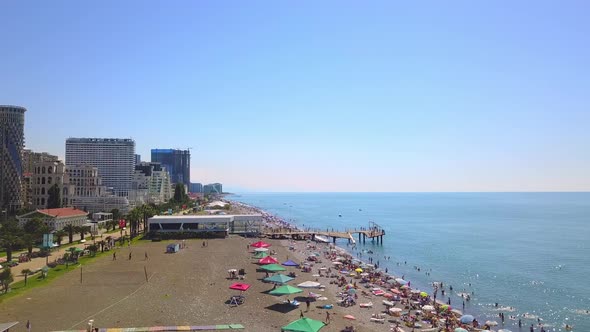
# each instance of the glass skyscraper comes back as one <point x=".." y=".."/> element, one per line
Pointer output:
<point x="177" y="162"/>
<point x="12" y="141"/>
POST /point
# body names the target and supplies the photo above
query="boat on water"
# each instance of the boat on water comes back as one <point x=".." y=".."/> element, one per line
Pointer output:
<point x="323" y="239"/>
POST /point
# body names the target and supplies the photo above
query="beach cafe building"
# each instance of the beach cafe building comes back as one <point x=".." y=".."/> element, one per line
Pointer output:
<point x="221" y="224"/>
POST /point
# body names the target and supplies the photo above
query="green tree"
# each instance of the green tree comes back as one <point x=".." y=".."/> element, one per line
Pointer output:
<point x="70" y="229"/>
<point x="147" y="211"/>
<point x="10" y="237"/>
<point x="6" y="278"/>
<point x="59" y="235"/>
<point x="134" y="216"/>
<point x="179" y="193"/>
<point x="83" y="230"/>
<point x="26" y="273"/>
<point x="54" y="199"/>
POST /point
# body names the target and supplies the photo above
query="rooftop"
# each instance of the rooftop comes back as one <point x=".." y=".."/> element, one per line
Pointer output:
<point x="63" y="212"/>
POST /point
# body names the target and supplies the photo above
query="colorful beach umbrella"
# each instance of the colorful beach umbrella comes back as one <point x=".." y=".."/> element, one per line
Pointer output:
<point x="239" y="286"/>
<point x="278" y="279"/>
<point x="285" y="290"/>
<point x="290" y="263"/>
<point x="358" y="269"/>
<point x="268" y="260"/>
<point x="261" y="255"/>
<point x="309" y="284"/>
<point x="272" y="268"/>
<point x="304" y="325"/>
<point x="423" y="294"/>
<point x="260" y="244"/>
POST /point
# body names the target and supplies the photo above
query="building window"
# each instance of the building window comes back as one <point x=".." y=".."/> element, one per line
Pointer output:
<point x="42" y="201"/>
<point x="43" y="169"/>
<point x="50" y="170"/>
<point x="43" y="191"/>
<point x="49" y="180"/>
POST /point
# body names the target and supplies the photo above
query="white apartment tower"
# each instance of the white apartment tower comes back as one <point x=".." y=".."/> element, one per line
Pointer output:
<point x="113" y="157"/>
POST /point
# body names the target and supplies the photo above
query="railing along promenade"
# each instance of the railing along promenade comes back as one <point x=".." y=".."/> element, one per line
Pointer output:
<point x="372" y="232"/>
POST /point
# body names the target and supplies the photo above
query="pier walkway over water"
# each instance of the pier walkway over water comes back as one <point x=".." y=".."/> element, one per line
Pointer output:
<point x="372" y="232"/>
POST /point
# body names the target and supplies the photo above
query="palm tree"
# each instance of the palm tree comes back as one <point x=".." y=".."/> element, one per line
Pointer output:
<point x="134" y="216"/>
<point x="147" y="212"/>
<point x="59" y="236"/>
<point x="26" y="273"/>
<point x="83" y="230"/>
<point x="70" y="229"/>
<point x="10" y="237"/>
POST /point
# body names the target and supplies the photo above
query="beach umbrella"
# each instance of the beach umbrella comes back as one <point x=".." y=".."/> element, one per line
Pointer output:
<point x="358" y="269"/>
<point x="304" y="325"/>
<point x="286" y="290"/>
<point x="272" y="268"/>
<point x="423" y="294"/>
<point x="491" y="323"/>
<point x="290" y="263"/>
<point x="278" y="279"/>
<point x="268" y="260"/>
<point x="460" y="329"/>
<point x="239" y="286"/>
<point x="351" y="291"/>
<point x="401" y="281"/>
<point x="337" y="263"/>
<point x="261" y="255"/>
<point x="260" y="244"/>
<point x="309" y="284"/>
<point x="261" y="249"/>
<point x="428" y="307"/>
<point x="466" y="319"/>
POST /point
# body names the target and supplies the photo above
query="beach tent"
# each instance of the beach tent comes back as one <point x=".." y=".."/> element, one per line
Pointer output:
<point x="309" y="284"/>
<point x="286" y="290"/>
<point x="278" y="279"/>
<point x="290" y="263"/>
<point x="272" y="268"/>
<point x="261" y="249"/>
<point x="268" y="260"/>
<point x="260" y="244"/>
<point x="304" y="325"/>
<point x="239" y="286"/>
<point x="261" y="255"/>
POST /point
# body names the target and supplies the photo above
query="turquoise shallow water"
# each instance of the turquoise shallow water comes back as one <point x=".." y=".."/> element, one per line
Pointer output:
<point x="529" y="251"/>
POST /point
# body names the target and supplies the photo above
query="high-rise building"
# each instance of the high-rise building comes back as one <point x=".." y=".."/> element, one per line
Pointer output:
<point x="89" y="194"/>
<point x="137" y="159"/>
<point x="195" y="188"/>
<point x="213" y="188"/>
<point x="177" y="162"/>
<point x="151" y="183"/>
<point x="113" y="157"/>
<point x="12" y="140"/>
<point x="45" y="175"/>
<point x="30" y="159"/>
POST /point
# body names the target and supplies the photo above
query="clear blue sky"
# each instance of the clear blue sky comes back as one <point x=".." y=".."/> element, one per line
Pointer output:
<point x="315" y="95"/>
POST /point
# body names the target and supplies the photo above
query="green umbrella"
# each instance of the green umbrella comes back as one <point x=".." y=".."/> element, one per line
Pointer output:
<point x="286" y="290"/>
<point x="261" y="254"/>
<point x="272" y="268"/>
<point x="304" y="325"/>
<point x="278" y="279"/>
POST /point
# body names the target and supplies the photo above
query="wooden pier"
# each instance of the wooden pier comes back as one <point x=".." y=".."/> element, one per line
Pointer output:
<point x="372" y="232"/>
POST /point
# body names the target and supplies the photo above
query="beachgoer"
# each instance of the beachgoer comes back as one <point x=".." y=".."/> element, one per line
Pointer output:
<point x="519" y="323"/>
<point x="129" y="256"/>
<point x="114" y="255"/>
<point x="327" y="317"/>
<point x="146" y="256"/>
<point x="301" y="314"/>
<point x="532" y="329"/>
<point x="307" y="303"/>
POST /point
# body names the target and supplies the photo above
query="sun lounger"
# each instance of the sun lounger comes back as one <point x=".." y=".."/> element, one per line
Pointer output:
<point x="366" y="305"/>
<point x="388" y="303"/>
<point x="378" y="320"/>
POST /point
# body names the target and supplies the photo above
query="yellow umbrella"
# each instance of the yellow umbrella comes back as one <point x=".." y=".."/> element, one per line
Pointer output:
<point x="359" y="270"/>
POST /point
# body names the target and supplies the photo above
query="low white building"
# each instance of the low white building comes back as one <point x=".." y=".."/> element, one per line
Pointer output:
<point x="55" y="219"/>
<point x="218" y="223"/>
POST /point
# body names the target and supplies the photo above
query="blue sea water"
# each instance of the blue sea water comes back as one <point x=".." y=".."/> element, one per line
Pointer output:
<point x="529" y="251"/>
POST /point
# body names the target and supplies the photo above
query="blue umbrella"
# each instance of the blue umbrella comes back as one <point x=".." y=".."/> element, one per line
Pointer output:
<point x="290" y="263"/>
<point x="466" y="319"/>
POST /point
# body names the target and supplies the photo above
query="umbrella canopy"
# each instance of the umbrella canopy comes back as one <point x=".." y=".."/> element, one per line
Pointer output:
<point x="309" y="284"/>
<point x="460" y="329"/>
<point x="286" y="290"/>
<point x="261" y="255"/>
<point x="423" y="294"/>
<point x="278" y="279"/>
<point x="268" y="260"/>
<point x="304" y="325"/>
<point x="272" y="268"/>
<point x="261" y="249"/>
<point x="401" y="281"/>
<point x="290" y="263"/>
<point x="466" y="319"/>
<point x="358" y="269"/>
<point x="260" y="244"/>
<point x="239" y="286"/>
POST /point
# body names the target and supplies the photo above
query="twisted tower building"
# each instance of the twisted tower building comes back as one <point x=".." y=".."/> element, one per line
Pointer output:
<point x="12" y="140"/>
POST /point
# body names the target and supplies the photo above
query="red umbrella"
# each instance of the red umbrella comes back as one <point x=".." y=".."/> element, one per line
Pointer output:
<point x="260" y="244"/>
<point x="239" y="286"/>
<point x="268" y="260"/>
